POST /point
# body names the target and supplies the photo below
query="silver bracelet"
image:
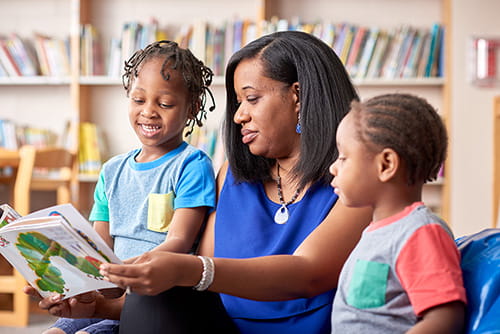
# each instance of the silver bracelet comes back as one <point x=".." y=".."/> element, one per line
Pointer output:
<point x="207" y="277"/>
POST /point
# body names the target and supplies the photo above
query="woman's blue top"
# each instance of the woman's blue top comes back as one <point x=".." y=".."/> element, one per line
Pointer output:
<point x="245" y="228"/>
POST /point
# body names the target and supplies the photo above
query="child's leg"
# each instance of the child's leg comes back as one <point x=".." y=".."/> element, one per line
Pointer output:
<point x="69" y="326"/>
<point x="53" y="330"/>
<point x="103" y="327"/>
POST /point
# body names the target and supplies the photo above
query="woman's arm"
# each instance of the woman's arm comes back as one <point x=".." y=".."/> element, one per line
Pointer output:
<point x="207" y="242"/>
<point x="313" y="269"/>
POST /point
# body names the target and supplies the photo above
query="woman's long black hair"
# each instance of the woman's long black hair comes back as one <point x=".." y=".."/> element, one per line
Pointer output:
<point x="326" y="92"/>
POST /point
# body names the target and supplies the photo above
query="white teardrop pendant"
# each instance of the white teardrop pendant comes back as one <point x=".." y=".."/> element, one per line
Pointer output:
<point x="281" y="215"/>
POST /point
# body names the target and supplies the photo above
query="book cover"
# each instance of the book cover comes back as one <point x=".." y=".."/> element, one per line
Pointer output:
<point x="41" y="54"/>
<point x="56" y="250"/>
<point x="433" y="52"/>
<point x="7" y="60"/>
<point x="379" y="54"/>
<point x="356" y="51"/>
<point x="410" y="69"/>
<point x="367" y="52"/>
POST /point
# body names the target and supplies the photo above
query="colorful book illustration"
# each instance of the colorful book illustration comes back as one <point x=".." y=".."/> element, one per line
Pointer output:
<point x="56" y="250"/>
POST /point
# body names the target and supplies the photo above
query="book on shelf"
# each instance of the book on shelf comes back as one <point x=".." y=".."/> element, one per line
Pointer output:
<point x="396" y="46"/>
<point x="8" y="135"/>
<point x="360" y="69"/>
<point x="41" y="53"/>
<point x="53" y="55"/>
<point x="91" y="62"/>
<point x="22" y="55"/>
<point x="89" y="152"/>
<point x="379" y="54"/>
<point x="7" y="59"/>
<point x="435" y="45"/>
<point x="356" y="50"/>
<point x="350" y="31"/>
<point x="55" y="249"/>
<point x="3" y="72"/>
<point x="409" y="69"/>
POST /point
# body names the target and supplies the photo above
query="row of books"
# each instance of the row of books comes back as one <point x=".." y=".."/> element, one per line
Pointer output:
<point x="401" y="52"/>
<point x="367" y="52"/>
<point x="40" y="55"/>
<point x="13" y="136"/>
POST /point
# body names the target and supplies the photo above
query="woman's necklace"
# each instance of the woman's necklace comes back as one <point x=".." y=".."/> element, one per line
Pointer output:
<point x="281" y="215"/>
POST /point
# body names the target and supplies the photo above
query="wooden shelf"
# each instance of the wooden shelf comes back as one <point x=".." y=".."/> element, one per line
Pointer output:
<point x="36" y="80"/>
<point x="220" y="81"/>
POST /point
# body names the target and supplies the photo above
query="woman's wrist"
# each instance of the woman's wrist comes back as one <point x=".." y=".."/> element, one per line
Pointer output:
<point x="207" y="275"/>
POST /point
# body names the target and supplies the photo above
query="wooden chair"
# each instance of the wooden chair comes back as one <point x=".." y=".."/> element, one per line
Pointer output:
<point x="60" y="175"/>
<point x="9" y="159"/>
<point x="61" y="168"/>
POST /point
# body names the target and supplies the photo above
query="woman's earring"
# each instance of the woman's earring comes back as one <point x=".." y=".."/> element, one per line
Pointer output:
<point x="298" y="129"/>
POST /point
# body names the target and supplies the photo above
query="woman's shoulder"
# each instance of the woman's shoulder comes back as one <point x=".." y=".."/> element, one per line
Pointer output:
<point x="221" y="175"/>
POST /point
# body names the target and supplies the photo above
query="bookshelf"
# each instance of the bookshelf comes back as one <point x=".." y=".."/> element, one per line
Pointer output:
<point x="100" y="99"/>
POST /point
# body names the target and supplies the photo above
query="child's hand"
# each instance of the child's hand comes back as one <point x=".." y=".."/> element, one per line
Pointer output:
<point x="112" y="292"/>
<point x="80" y="306"/>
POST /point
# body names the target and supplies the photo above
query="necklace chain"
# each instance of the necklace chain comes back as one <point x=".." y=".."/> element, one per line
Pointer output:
<point x="280" y="191"/>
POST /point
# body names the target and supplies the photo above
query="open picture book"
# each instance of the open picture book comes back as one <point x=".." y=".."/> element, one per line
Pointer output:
<point x="55" y="249"/>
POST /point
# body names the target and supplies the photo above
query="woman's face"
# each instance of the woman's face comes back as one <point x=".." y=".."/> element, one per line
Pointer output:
<point x="267" y="112"/>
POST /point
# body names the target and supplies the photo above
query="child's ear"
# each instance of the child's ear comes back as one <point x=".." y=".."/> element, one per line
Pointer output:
<point x="388" y="164"/>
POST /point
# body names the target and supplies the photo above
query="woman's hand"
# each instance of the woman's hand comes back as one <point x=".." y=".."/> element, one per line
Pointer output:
<point x="81" y="306"/>
<point x="152" y="272"/>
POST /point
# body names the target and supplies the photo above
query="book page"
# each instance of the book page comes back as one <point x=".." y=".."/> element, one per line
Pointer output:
<point x="80" y="224"/>
<point x="53" y="257"/>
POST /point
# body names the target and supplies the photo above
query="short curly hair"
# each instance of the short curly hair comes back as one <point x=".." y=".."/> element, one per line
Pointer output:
<point x="410" y="126"/>
<point x="196" y="75"/>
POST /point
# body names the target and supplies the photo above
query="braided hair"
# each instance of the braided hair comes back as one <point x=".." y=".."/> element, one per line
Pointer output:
<point x="407" y="124"/>
<point x="196" y="75"/>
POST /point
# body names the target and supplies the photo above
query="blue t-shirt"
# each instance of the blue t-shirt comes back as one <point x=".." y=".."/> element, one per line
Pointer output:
<point x="139" y="199"/>
<point x="245" y="228"/>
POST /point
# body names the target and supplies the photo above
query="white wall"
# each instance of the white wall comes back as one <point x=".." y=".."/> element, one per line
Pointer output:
<point x="471" y="121"/>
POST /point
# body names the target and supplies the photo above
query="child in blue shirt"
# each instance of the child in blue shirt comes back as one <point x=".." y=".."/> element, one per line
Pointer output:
<point x="155" y="197"/>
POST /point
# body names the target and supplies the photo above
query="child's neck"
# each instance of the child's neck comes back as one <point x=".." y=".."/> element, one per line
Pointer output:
<point x="149" y="153"/>
<point x="395" y="200"/>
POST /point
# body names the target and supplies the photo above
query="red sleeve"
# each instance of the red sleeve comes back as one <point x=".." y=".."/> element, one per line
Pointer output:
<point x="429" y="270"/>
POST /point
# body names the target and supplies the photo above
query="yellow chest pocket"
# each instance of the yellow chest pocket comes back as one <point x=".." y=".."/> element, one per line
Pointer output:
<point x="160" y="211"/>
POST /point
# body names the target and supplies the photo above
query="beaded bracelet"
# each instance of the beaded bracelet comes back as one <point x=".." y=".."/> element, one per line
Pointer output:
<point x="207" y="277"/>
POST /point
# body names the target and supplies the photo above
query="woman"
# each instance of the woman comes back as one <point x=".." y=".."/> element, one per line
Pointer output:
<point x="279" y="236"/>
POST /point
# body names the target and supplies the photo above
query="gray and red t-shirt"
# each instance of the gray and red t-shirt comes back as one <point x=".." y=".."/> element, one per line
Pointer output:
<point x="402" y="266"/>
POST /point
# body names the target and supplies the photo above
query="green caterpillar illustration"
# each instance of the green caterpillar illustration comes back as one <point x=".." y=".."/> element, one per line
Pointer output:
<point x="37" y="249"/>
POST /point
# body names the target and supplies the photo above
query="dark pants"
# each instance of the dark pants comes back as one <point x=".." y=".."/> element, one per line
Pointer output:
<point x="180" y="310"/>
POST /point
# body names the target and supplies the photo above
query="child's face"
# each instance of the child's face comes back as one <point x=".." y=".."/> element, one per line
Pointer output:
<point x="355" y="171"/>
<point x="158" y="109"/>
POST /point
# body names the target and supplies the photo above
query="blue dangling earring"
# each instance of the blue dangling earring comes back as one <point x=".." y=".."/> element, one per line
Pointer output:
<point x="298" y="129"/>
